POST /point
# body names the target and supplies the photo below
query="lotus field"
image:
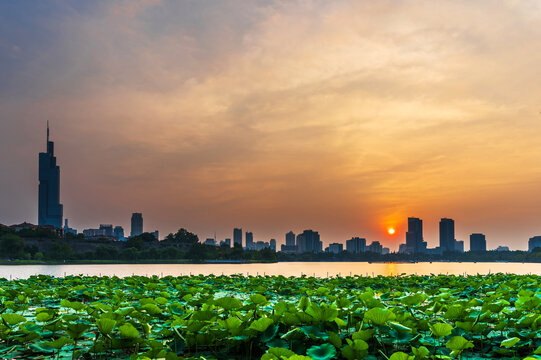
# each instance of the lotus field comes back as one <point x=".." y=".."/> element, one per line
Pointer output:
<point x="271" y="317"/>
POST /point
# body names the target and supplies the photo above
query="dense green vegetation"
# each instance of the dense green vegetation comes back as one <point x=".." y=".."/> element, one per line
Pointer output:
<point x="413" y="317"/>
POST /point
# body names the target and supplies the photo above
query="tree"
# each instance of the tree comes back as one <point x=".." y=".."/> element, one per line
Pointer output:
<point x="11" y="246"/>
<point x="183" y="239"/>
<point x="61" y="251"/>
<point x="135" y="242"/>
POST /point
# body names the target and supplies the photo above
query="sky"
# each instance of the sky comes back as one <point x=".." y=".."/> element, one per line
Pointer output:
<point x="345" y="117"/>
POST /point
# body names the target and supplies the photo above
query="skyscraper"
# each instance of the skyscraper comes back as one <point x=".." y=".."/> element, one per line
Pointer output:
<point x="309" y="241"/>
<point x="136" y="224"/>
<point x="356" y="245"/>
<point x="290" y="239"/>
<point x="50" y="211"/>
<point x="478" y="242"/>
<point x="237" y="237"/>
<point x="414" y="236"/>
<point x="118" y="232"/>
<point x="249" y="240"/>
<point x="447" y="235"/>
<point x="108" y="228"/>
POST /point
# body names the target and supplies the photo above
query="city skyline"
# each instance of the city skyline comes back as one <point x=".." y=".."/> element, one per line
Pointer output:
<point x="343" y="117"/>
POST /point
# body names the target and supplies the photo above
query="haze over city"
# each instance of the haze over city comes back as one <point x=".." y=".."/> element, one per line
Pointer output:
<point x="344" y="117"/>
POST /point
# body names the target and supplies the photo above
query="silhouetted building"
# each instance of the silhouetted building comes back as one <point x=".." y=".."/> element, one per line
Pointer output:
<point x="94" y="233"/>
<point x="534" y="242"/>
<point x="335" y="248"/>
<point x="156" y="234"/>
<point x="68" y="230"/>
<point x="290" y="239"/>
<point x="385" y="251"/>
<point x="309" y="241"/>
<point x="118" y="232"/>
<point x="272" y="244"/>
<point x="237" y="236"/>
<point x="50" y="211"/>
<point x="375" y="247"/>
<point x="447" y="235"/>
<point x="228" y="242"/>
<point x="478" y="242"/>
<point x="249" y="240"/>
<point x="414" y="236"/>
<point x="502" y="248"/>
<point x="136" y="224"/>
<point x="107" y="228"/>
<point x="356" y="245"/>
<point x="210" y="241"/>
<point x="459" y="246"/>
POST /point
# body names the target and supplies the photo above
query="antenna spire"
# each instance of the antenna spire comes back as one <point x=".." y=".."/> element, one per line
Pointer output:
<point x="47" y="132"/>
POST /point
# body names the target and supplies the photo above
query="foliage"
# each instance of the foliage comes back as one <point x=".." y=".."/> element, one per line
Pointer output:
<point x="271" y="317"/>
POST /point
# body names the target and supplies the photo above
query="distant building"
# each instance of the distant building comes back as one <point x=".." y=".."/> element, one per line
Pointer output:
<point x="288" y="249"/>
<point x="356" y="245"/>
<point x="375" y="247"/>
<point x="447" y="235"/>
<point x="136" y="224"/>
<point x="335" y="248"/>
<point x="228" y="242"/>
<point x="534" y="242"/>
<point x="502" y="248"/>
<point x="272" y="244"/>
<point x="237" y="236"/>
<point x="290" y="239"/>
<point x="156" y="234"/>
<point x="459" y="246"/>
<point x="249" y="240"/>
<point x="414" y="236"/>
<point x="50" y="211"/>
<point x="210" y="241"/>
<point x="309" y="241"/>
<point x="107" y="228"/>
<point x="118" y="232"/>
<point x="68" y="230"/>
<point x="385" y="251"/>
<point x="478" y="242"/>
<point x="402" y="249"/>
<point x="93" y="233"/>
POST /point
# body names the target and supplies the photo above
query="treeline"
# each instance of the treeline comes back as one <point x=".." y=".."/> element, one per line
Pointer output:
<point x="470" y="256"/>
<point x="181" y="246"/>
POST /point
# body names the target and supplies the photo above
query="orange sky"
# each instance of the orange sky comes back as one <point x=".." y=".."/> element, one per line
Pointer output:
<point x="345" y="117"/>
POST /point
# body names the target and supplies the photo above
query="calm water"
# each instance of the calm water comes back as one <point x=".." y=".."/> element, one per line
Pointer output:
<point x="320" y="269"/>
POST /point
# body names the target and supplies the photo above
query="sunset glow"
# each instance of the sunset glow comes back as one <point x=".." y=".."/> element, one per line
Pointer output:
<point x="391" y="231"/>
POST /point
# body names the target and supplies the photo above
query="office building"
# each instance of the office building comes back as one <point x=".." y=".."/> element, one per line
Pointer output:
<point x="335" y="248"/>
<point x="447" y="235"/>
<point x="309" y="241"/>
<point x="534" y="242"/>
<point x="237" y="237"/>
<point x="249" y="240"/>
<point x="94" y="233"/>
<point x="478" y="242"/>
<point x="375" y="247"/>
<point x="107" y="228"/>
<point x="227" y="242"/>
<point x="50" y="211"/>
<point x="414" y="236"/>
<point x="136" y="224"/>
<point x="502" y="248"/>
<point x="356" y="245"/>
<point x="385" y="251"/>
<point x="156" y="234"/>
<point x="459" y="246"/>
<point x="210" y="241"/>
<point x="290" y="239"/>
<point x="68" y="230"/>
<point x="272" y="244"/>
<point x="118" y="232"/>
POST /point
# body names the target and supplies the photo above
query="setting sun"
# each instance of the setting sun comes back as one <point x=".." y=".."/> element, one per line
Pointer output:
<point x="391" y="231"/>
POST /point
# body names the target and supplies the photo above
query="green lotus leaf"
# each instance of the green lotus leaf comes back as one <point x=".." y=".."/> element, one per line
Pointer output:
<point x="399" y="327"/>
<point x="421" y="352"/>
<point x="379" y="316"/>
<point x="228" y="303"/>
<point x="510" y="342"/>
<point x="363" y="334"/>
<point x="258" y="299"/>
<point x="322" y="352"/>
<point x="441" y="329"/>
<point x="128" y="331"/>
<point x="277" y="353"/>
<point x="314" y="332"/>
<point x="13" y="319"/>
<point x="58" y="343"/>
<point x="356" y="349"/>
<point x="399" y="356"/>
<point x="261" y="324"/>
<point x="76" y="330"/>
<point x="105" y="325"/>
<point x="458" y="343"/>
<point x="152" y="309"/>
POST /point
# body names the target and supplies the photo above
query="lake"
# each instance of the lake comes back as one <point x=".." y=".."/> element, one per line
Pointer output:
<point x="320" y="269"/>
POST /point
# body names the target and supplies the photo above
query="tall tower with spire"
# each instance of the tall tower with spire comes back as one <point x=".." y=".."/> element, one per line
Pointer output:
<point x="50" y="211"/>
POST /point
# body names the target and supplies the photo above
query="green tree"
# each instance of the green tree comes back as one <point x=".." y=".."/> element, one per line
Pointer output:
<point x="11" y="246"/>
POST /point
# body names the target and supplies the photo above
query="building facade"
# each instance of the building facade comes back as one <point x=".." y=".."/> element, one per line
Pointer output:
<point x="50" y="211"/>
<point x="237" y="236"/>
<point x="356" y="245"/>
<point x="478" y="242"/>
<point x="534" y="242"/>
<point x="447" y="235"/>
<point x="136" y="224"/>
<point x="414" y="236"/>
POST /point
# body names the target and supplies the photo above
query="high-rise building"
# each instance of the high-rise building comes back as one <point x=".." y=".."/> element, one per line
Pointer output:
<point x="228" y="242"/>
<point x="249" y="240"/>
<point x="107" y="228"/>
<point x="156" y="234"/>
<point x="237" y="237"/>
<point x="290" y="239"/>
<point x="136" y="224"/>
<point x="272" y="244"/>
<point x="50" y="211"/>
<point x="118" y="232"/>
<point x="447" y="235"/>
<point x="356" y="245"/>
<point x="375" y="247"/>
<point x="68" y="230"/>
<point x="414" y="236"/>
<point x="534" y="242"/>
<point x="309" y="241"/>
<point x="478" y="242"/>
<point x="335" y="248"/>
